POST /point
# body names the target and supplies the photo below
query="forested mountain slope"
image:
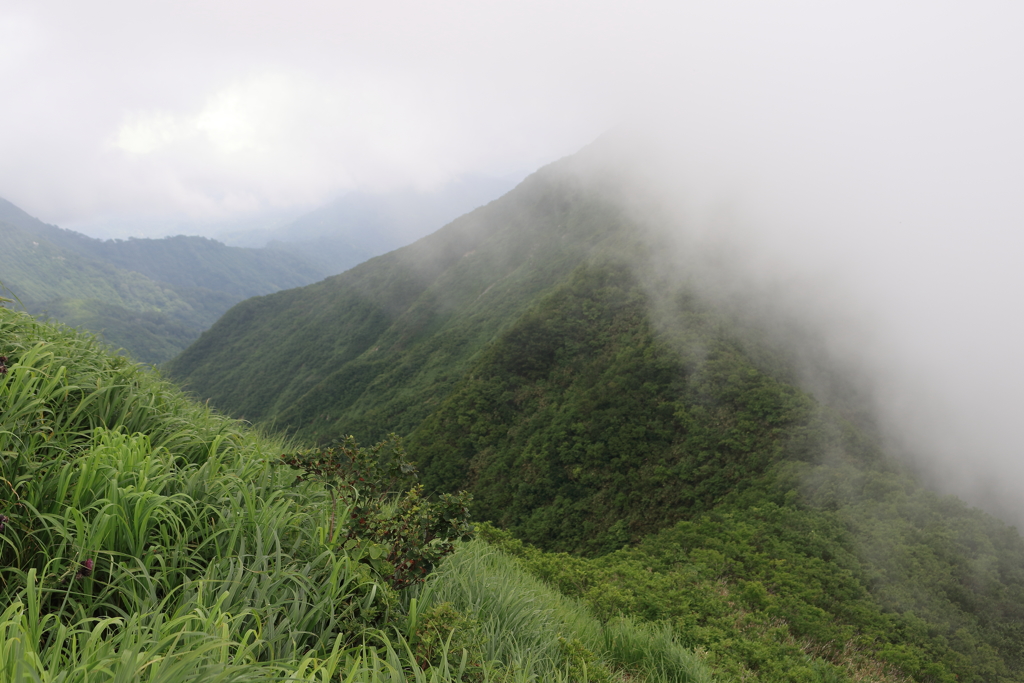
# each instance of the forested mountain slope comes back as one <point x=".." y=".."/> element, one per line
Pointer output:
<point x="143" y="538"/>
<point x="391" y="336"/>
<point x="129" y="309"/>
<point x="151" y="297"/>
<point x="539" y="353"/>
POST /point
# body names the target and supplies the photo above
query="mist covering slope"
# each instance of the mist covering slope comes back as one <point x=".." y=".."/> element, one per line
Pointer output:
<point x="543" y="353"/>
<point x="358" y="226"/>
<point x="339" y="347"/>
<point x="151" y="297"/>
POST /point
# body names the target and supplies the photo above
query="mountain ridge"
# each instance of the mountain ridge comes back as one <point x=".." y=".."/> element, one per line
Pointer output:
<point x="150" y="297"/>
<point x="425" y="281"/>
<point x="653" y="447"/>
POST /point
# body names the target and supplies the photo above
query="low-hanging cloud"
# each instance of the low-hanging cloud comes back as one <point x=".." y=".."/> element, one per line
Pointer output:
<point x="869" y="152"/>
<point x="893" y="250"/>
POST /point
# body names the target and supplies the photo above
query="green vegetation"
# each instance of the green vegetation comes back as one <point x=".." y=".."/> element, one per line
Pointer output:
<point x="498" y="603"/>
<point x="373" y="350"/>
<point x="580" y="429"/>
<point x="805" y="554"/>
<point x="404" y="536"/>
<point x="149" y="335"/>
<point x="144" y="538"/>
<point x="190" y="262"/>
<point x="149" y="297"/>
<point x="790" y="593"/>
<point x="642" y="443"/>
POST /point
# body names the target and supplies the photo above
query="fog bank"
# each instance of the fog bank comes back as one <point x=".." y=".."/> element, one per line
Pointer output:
<point x="905" y="263"/>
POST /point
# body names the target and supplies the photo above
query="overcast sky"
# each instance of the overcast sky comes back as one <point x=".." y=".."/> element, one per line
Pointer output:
<point x="211" y="108"/>
<point x="878" y="146"/>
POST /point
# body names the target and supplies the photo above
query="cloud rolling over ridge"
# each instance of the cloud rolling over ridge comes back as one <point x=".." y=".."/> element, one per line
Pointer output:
<point x="875" y="147"/>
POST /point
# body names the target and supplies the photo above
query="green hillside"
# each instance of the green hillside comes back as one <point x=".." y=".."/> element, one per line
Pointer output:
<point x="132" y="311"/>
<point x="143" y="538"/>
<point x="645" y="437"/>
<point x="150" y="297"/>
<point x="392" y="336"/>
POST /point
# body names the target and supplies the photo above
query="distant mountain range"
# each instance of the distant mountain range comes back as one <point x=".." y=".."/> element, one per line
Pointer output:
<point x="151" y="297"/>
<point x="359" y="225"/>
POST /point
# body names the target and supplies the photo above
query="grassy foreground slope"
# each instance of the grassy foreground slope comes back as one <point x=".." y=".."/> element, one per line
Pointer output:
<point x="144" y="538"/>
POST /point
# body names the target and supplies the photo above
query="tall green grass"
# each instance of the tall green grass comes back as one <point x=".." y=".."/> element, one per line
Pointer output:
<point x="143" y="521"/>
<point x="146" y="538"/>
<point x="533" y="629"/>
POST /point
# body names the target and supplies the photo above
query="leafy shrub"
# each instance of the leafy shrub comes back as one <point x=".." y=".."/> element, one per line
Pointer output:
<point x="384" y="518"/>
<point x="445" y="633"/>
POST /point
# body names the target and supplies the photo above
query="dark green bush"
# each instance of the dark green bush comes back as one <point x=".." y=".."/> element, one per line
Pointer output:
<point x="379" y="512"/>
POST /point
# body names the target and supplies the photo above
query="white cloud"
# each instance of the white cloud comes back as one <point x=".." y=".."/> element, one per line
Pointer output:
<point x="147" y="132"/>
<point x="186" y="108"/>
<point x="19" y="38"/>
<point x="292" y="137"/>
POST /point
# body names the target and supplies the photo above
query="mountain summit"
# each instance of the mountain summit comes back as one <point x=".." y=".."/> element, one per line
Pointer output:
<point x="551" y="354"/>
<point x="421" y="313"/>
